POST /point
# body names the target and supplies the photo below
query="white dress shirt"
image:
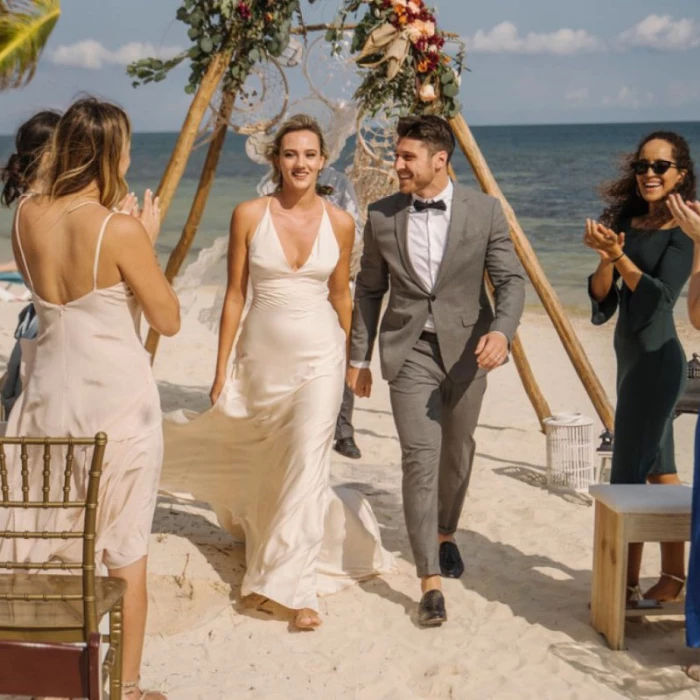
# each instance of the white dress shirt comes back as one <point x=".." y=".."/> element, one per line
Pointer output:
<point x="426" y="241"/>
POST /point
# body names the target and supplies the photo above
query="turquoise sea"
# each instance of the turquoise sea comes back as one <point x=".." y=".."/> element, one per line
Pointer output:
<point x="550" y="175"/>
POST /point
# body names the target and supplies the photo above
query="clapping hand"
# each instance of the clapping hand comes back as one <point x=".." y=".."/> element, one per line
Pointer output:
<point x="687" y="215"/>
<point x="129" y="205"/>
<point x="603" y="240"/>
<point x="149" y="216"/>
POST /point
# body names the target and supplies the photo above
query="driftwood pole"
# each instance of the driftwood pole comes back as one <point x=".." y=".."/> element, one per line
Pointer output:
<point x="185" y="141"/>
<point x="539" y="280"/>
<point x="206" y="180"/>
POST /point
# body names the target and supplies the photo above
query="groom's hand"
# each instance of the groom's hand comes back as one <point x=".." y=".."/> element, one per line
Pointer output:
<point x="359" y="381"/>
<point x="492" y="350"/>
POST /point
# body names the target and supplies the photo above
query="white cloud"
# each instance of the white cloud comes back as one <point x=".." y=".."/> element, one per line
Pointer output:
<point x="92" y="55"/>
<point x="504" y="38"/>
<point x="664" y="33"/>
<point x="578" y="97"/>
<point x="629" y="98"/>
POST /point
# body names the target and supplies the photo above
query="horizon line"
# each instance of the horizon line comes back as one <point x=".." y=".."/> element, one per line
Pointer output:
<point x="496" y="126"/>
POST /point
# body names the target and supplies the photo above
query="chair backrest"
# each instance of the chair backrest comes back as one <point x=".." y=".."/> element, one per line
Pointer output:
<point x="32" y="490"/>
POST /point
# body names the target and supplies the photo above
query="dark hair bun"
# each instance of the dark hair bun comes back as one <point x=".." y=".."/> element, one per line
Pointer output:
<point x="14" y="178"/>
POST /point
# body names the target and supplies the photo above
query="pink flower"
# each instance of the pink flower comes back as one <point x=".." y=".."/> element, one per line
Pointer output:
<point x="427" y="92"/>
<point x="418" y="30"/>
<point x="414" y="6"/>
<point x="401" y="3"/>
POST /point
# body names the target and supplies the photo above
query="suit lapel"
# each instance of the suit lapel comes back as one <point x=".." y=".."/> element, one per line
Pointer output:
<point x="455" y="231"/>
<point x="401" y="231"/>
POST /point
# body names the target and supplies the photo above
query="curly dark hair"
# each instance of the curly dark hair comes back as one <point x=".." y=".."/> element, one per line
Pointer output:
<point x="622" y="195"/>
<point x="32" y="139"/>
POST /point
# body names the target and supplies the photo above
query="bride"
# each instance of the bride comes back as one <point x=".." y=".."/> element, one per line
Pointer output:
<point x="261" y="455"/>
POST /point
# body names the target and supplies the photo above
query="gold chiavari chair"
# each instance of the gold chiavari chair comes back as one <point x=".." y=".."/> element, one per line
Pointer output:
<point x="49" y="623"/>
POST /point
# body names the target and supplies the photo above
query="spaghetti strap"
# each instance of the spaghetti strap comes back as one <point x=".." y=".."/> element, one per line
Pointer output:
<point x="82" y="204"/>
<point x="98" y="248"/>
<point x="22" y="200"/>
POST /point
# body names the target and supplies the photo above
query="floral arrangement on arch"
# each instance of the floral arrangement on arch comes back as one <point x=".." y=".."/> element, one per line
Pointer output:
<point x="409" y="70"/>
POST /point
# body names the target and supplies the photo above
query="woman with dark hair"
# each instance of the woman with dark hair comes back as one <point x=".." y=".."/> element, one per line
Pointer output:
<point x="91" y="279"/>
<point x="261" y="456"/>
<point x="645" y="260"/>
<point x="20" y="176"/>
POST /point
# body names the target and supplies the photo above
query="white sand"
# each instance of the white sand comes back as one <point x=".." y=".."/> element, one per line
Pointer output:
<point x="518" y="620"/>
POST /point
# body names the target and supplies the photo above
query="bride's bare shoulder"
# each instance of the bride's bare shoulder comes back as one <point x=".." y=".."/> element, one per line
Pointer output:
<point x="343" y="224"/>
<point x="248" y="213"/>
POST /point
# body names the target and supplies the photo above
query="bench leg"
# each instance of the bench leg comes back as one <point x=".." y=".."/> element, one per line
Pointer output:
<point x="609" y="576"/>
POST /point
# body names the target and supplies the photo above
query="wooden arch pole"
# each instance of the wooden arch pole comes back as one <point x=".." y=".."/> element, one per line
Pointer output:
<point x="206" y="180"/>
<point x="522" y="364"/>
<point x="185" y="141"/>
<point x="539" y="281"/>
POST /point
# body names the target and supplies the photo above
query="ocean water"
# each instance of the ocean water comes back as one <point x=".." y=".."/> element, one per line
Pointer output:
<point x="550" y="175"/>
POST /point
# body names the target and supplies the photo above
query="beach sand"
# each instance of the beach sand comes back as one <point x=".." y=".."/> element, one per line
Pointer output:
<point x="518" y="619"/>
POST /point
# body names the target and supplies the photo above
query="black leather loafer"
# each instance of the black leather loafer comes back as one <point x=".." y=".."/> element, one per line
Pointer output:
<point x="347" y="448"/>
<point x="431" y="609"/>
<point x="451" y="564"/>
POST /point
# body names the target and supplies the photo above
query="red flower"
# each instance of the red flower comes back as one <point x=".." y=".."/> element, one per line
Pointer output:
<point x="244" y="11"/>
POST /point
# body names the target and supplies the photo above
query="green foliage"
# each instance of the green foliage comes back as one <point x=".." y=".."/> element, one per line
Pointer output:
<point x="428" y="81"/>
<point x="25" y="27"/>
<point x="252" y="30"/>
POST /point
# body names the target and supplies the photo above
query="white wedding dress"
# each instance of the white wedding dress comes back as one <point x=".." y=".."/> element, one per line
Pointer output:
<point x="261" y="455"/>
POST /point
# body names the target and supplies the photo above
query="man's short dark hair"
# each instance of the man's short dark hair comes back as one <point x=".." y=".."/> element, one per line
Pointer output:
<point x="432" y="130"/>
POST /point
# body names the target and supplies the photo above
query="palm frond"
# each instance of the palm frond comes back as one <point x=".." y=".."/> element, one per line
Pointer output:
<point x="25" y="27"/>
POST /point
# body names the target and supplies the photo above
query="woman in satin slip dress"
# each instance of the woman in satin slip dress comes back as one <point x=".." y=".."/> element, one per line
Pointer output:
<point x="92" y="272"/>
<point x="261" y="455"/>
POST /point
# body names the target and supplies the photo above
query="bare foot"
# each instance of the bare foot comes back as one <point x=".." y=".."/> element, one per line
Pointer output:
<point x="138" y="694"/>
<point x="307" y="619"/>
<point x="666" y="589"/>
<point x="693" y="671"/>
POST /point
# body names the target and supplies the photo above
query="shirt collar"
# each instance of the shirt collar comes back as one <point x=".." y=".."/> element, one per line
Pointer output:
<point x="445" y="195"/>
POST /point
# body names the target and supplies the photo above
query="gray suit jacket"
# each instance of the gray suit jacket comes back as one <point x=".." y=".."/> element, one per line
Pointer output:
<point x="478" y="240"/>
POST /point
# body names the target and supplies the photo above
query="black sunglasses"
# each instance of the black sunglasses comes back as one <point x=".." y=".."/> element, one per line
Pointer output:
<point x="658" y="167"/>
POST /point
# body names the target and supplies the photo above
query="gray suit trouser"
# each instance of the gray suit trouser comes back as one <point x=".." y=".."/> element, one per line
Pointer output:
<point x="343" y="424"/>
<point x="435" y="420"/>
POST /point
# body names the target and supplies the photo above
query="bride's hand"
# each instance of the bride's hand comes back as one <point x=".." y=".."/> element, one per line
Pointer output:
<point x="216" y="389"/>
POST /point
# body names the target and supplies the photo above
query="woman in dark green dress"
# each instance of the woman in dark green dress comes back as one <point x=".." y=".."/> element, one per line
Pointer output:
<point x="645" y="260"/>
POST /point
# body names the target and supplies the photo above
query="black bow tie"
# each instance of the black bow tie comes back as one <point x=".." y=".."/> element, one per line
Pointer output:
<point x="438" y="204"/>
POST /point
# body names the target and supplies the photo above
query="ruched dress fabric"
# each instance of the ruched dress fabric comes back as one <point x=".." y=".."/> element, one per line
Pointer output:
<point x="651" y="364"/>
<point x="261" y="455"/>
<point x="89" y="372"/>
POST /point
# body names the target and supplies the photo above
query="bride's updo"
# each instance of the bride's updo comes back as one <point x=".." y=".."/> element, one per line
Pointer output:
<point x="31" y="142"/>
<point x="88" y="145"/>
<point x="297" y="122"/>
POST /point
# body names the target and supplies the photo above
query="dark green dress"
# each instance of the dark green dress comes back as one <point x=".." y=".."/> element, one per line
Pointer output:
<point x="651" y="364"/>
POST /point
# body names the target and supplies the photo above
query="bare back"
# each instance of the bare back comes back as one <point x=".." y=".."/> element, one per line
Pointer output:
<point x="55" y="244"/>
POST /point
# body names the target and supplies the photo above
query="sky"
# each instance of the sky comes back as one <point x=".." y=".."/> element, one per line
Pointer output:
<point x="530" y="61"/>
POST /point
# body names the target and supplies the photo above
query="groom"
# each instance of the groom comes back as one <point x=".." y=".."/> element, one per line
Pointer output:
<point x="430" y="244"/>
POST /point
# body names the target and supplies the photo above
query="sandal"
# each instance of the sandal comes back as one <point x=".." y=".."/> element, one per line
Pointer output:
<point x="677" y="579"/>
<point x="130" y="687"/>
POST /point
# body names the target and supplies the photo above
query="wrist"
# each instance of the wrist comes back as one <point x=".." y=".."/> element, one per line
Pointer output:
<point x="618" y="257"/>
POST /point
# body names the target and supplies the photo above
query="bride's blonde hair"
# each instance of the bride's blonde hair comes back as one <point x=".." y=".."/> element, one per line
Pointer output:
<point x="297" y="122"/>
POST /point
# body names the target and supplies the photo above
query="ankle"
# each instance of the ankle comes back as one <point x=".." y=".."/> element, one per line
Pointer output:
<point x="445" y="538"/>
<point x="430" y="583"/>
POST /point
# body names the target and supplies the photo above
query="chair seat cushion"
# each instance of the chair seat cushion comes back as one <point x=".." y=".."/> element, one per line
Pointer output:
<point x="38" y="615"/>
<point x="646" y="499"/>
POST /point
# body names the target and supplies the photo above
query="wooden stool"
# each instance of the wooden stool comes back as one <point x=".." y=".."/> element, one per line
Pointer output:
<point x="626" y="513"/>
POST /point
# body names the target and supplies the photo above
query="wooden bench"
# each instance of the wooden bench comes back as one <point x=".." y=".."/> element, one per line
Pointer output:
<point x="626" y="513"/>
